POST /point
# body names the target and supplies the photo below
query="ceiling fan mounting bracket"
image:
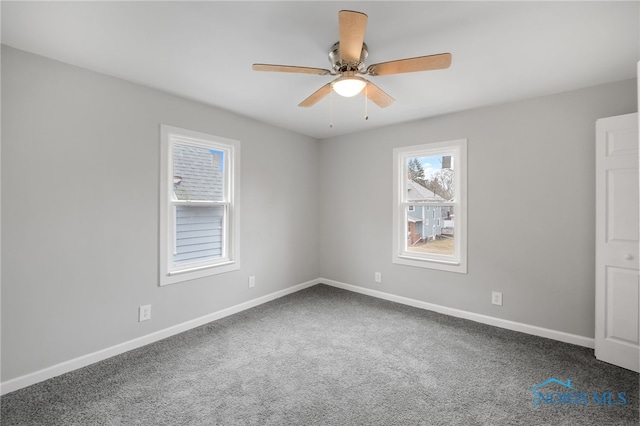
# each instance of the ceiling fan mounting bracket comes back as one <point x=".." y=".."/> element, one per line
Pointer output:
<point x="340" y="67"/>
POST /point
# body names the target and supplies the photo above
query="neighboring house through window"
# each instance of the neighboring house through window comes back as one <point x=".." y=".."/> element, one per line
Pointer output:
<point x="199" y="207"/>
<point x="430" y="208"/>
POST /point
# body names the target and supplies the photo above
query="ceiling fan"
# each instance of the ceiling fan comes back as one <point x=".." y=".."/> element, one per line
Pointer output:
<point x="347" y="58"/>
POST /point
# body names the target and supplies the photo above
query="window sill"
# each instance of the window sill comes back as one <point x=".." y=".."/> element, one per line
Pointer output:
<point x="438" y="264"/>
<point x="182" y="275"/>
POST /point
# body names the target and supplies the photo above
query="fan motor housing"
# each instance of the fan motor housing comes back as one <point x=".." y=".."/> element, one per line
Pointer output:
<point x="339" y="66"/>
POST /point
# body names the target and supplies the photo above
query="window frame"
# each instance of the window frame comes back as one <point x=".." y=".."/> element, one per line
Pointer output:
<point x="170" y="272"/>
<point x="457" y="262"/>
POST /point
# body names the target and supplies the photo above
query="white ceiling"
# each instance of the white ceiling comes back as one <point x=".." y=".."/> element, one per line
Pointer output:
<point x="502" y="51"/>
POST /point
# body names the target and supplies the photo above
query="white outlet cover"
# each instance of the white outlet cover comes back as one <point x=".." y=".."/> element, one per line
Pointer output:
<point x="144" y="313"/>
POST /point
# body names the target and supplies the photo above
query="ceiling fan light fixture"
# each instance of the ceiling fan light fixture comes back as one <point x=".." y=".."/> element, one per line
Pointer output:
<point x="349" y="86"/>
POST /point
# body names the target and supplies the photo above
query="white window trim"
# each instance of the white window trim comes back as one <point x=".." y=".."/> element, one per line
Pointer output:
<point x="170" y="274"/>
<point x="458" y="262"/>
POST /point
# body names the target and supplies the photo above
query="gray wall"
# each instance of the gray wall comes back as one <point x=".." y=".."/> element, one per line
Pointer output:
<point x="530" y="162"/>
<point x="80" y="170"/>
<point x="80" y="183"/>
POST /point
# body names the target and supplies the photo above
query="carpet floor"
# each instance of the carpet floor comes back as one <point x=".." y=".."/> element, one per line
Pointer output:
<point x="325" y="356"/>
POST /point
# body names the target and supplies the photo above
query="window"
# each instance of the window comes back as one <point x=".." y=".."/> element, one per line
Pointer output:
<point x="199" y="209"/>
<point x="431" y="178"/>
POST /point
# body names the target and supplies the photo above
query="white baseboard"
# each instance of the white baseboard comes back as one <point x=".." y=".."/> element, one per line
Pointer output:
<point x="83" y="361"/>
<point x="561" y="336"/>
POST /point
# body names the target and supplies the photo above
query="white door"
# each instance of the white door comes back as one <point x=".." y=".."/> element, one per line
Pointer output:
<point x="617" y="284"/>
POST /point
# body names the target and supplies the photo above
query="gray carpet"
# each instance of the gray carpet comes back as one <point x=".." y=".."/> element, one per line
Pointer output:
<point x="325" y="356"/>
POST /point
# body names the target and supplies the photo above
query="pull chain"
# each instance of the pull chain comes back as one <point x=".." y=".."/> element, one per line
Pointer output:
<point x="366" y="103"/>
<point x="331" y="108"/>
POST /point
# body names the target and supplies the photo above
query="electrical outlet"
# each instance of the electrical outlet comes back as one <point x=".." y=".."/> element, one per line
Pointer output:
<point x="378" y="277"/>
<point x="252" y="281"/>
<point x="496" y="298"/>
<point x="144" y="313"/>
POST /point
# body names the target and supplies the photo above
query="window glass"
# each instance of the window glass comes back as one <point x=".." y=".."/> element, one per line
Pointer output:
<point x="198" y="173"/>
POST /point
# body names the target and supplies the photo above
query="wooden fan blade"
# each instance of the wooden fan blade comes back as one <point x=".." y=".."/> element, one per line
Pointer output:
<point x="421" y="63"/>
<point x="377" y="95"/>
<point x="352" y="28"/>
<point x="290" y="68"/>
<point x="316" y="96"/>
